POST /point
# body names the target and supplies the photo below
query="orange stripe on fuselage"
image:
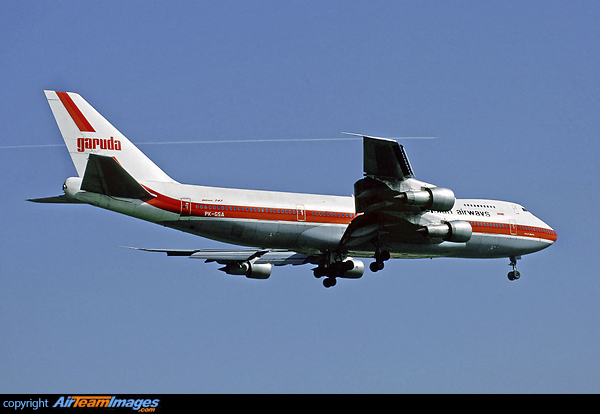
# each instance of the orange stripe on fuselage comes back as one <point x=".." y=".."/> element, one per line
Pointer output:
<point x="494" y="228"/>
<point x="213" y="210"/>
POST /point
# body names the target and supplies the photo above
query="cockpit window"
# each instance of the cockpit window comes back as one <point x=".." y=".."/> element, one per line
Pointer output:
<point x="524" y="209"/>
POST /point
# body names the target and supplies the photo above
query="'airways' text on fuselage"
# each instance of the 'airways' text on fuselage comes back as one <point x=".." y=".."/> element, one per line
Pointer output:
<point x="463" y="212"/>
<point x="473" y="213"/>
<point x="98" y="143"/>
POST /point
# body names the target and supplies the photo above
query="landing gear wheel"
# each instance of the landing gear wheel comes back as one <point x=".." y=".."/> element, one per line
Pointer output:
<point x="319" y="272"/>
<point x="384" y="256"/>
<point x="514" y="275"/>
<point x="376" y="266"/>
<point x="329" y="282"/>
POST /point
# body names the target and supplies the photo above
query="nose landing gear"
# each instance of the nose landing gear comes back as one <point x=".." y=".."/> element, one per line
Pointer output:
<point x="514" y="274"/>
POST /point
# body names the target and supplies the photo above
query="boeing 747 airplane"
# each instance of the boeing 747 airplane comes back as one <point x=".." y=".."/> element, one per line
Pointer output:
<point x="391" y="215"/>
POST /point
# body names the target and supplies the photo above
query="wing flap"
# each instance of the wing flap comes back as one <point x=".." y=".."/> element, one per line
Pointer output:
<point x="227" y="256"/>
<point x="275" y="257"/>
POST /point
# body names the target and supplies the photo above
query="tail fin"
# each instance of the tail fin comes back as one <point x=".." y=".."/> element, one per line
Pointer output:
<point x="87" y="132"/>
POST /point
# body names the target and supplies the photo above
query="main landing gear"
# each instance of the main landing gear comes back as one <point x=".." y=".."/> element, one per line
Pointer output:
<point x="333" y="271"/>
<point x="380" y="257"/>
<point x="514" y="274"/>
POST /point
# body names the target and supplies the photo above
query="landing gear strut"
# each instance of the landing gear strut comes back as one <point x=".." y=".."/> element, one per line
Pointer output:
<point x="380" y="257"/>
<point x="514" y="274"/>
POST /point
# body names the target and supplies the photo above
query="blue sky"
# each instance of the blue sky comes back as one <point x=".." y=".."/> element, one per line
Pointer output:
<point x="510" y="90"/>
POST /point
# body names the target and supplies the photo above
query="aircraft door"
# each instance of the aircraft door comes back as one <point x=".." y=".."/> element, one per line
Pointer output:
<point x="300" y="212"/>
<point x="513" y="227"/>
<point x="186" y="207"/>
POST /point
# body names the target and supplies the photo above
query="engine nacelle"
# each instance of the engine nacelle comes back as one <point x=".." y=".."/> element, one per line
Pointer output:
<point x="436" y="198"/>
<point x="352" y="269"/>
<point x="250" y="270"/>
<point x="457" y="231"/>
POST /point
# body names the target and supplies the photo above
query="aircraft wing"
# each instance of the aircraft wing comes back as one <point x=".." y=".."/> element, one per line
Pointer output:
<point x="385" y="158"/>
<point x="275" y="257"/>
<point x="389" y="196"/>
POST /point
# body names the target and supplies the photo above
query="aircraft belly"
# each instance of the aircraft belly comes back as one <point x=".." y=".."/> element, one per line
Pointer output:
<point x="496" y="246"/>
<point x="130" y="207"/>
<point x="321" y="236"/>
<point x="258" y="233"/>
<point x="227" y="231"/>
<point x="480" y="246"/>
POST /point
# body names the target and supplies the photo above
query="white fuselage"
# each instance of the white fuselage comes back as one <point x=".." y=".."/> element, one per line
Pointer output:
<point x="311" y="223"/>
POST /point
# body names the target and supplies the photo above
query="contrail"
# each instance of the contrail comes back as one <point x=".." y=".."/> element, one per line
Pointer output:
<point x="250" y="141"/>
<point x="235" y="141"/>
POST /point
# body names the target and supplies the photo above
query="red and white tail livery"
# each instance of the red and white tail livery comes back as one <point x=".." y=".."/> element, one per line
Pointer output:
<point x="86" y="132"/>
<point x="391" y="215"/>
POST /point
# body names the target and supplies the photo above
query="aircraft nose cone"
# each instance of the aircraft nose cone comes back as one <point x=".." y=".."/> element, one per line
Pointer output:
<point x="553" y="235"/>
<point x="548" y="235"/>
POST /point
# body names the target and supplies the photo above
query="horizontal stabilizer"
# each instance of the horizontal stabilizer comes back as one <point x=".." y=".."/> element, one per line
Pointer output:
<point x="61" y="199"/>
<point x="104" y="175"/>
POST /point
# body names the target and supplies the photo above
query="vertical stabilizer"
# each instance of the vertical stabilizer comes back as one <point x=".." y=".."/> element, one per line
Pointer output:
<point x="87" y="132"/>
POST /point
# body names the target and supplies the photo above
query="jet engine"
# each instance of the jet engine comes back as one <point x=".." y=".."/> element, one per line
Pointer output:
<point x="457" y="231"/>
<point x="352" y="269"/>
<point x="250" y="270"/>
<point x="436" y="198"/>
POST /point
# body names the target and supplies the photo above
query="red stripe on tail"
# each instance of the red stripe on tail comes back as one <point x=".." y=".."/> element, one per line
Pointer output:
<point x="80" y="120"/>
